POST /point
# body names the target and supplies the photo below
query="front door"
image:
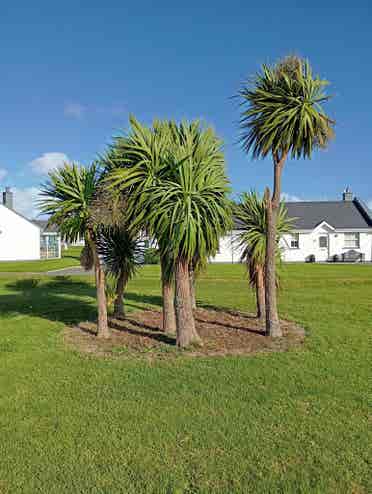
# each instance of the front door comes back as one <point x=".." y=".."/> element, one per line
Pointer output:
<point x="323" y="247"/>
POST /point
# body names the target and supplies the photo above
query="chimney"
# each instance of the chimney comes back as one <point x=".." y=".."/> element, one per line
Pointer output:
<point x="347" y="195"/>
<point x="8" y="198"/>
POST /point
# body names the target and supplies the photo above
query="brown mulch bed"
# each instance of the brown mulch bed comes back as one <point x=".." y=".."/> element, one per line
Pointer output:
<point x="223" y="333"/>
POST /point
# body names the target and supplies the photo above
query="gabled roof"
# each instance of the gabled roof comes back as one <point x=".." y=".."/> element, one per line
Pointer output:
<point x="339" y="214"/>
<point x="19" y="214"/>
<point x="44" y="227"/>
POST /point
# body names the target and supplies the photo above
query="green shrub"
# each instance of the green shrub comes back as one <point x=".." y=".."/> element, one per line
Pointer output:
<point x="151" y="256"/>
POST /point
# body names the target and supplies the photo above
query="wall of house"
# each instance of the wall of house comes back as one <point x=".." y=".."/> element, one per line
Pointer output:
<point x="309" y="245"/>
<point x="19" y="238"/>
<point x="229" y="251"/>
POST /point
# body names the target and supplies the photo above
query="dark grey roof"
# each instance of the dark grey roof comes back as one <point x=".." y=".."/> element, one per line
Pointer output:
<point x="339" y="214"/>
<point x="44" y="227"/>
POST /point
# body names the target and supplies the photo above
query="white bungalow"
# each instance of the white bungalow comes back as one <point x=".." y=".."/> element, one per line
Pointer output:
<point x="322" y="231"/>
<point x="24" y="239"/>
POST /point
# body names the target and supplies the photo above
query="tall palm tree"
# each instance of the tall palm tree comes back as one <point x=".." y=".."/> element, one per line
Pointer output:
<point x="134" y="163"/>
<point x="121" y="252"/>
<point x="67" y="196"/>
<point x="189" y="210"/>
<point x="251" y="214"/>
<point x="282" y="116"/>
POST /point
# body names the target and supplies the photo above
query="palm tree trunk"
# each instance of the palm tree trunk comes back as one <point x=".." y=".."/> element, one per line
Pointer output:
<point x="260" y="293"/>
<point x="186" y="332"/>
<point x="192" y="286"/>
<point x="119" y="311"/>
<point x="272" y="207"/>
<point x="169" y="316"/>
<point x="103" y="330"/>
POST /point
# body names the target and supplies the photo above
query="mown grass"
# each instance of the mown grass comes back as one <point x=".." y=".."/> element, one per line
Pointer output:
<point x="70" y="257"/>
<point x="292" y="422"/>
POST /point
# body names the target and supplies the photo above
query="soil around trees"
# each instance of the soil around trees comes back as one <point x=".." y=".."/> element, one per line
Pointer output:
<point x="223" y="333"/>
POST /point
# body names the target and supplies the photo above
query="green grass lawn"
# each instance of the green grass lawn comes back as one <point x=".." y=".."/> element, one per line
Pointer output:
<point x="70" y="257"/>
<point x="294" y="422"/>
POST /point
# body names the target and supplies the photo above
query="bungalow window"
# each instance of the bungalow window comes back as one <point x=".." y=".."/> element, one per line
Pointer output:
<point x="323" y="242"/>
<point x="294" y="241"/>
<point x="351" y="240"/>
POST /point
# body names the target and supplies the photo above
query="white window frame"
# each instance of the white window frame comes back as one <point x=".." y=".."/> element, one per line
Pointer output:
<point x="294" y="241"/>
<point x="323" y="246"/>
<point x="351" y="240"/>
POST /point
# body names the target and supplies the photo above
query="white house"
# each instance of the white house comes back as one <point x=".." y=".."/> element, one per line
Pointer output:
<point x="322" y="231"/>
<point x="23" y="239"/>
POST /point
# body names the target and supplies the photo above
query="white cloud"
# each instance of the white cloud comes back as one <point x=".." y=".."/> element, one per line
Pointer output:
<point x="74" y="110"/>
<point x="290" y="198"/>
<point x="25" y="201"/>
<point x="369" y="204"/>
<point x="3" y="173"/>
<point x="47" y="162"/>
<point x="78" y="111"/>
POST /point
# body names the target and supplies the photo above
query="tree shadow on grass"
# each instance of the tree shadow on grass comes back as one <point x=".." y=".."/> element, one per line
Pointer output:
<point x="228" y="310"/>
<point x="61" y="299"/>
<point x="148" y="331"/>
<point x="225" y="324"/>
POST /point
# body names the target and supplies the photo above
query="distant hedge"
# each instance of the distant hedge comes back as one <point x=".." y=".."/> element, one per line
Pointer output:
<point x="151" y="256"/>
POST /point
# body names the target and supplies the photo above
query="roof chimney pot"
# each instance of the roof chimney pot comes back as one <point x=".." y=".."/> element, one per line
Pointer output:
<point x="8" y="198"/>
<point x="347" y="195"/>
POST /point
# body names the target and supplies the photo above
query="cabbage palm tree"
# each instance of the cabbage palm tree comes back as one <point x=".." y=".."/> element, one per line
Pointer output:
<point x="282" y="117"/>
<point x="251" y="214"/>
<point x="135" y="163"/>
<point x="189" y="210"/>
<point x="66" y="197"/>
<point x="121" y="252"/>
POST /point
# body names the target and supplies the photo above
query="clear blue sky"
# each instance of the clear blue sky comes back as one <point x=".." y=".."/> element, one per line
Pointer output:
<point x="72" y="71"/>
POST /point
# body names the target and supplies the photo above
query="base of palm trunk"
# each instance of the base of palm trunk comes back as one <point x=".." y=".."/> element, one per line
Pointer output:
<point x="273" y="329"/>
<point x="103" y="334"/>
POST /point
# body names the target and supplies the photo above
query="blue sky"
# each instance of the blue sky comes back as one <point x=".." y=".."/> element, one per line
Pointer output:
<point x="72" y="72"/>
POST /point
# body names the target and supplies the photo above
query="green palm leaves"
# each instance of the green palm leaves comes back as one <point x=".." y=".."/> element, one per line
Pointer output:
<point x="251" y="215"/>
<point x="282" y="111"/>
<point x="67" y="197"/>
<point x="176" y="181"/>
<point x="120" y="251"/>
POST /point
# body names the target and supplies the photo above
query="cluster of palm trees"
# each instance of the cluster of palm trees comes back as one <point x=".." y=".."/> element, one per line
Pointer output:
<point x="168" y="181"/>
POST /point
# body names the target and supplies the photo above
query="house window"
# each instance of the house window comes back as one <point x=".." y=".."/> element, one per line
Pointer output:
<point x="294" y="241"/>
<point x="351" y="240"/>
<point x="323" y="242"/>
<point x="49" y="246"/>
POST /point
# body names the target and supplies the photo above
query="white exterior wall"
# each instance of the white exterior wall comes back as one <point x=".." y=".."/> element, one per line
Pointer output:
<point x="309" y="244"/>
<point x="19" y="238"/>
<point x="229" y="251"/>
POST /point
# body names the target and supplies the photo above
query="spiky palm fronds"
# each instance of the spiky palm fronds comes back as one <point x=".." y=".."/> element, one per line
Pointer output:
<point x="67" y="196"/>
<point x="121" y="252"/>
<point x="251" y="214"/>
<point x="135" y="163"/>
<point x="189" y="210"/>
<point x="176" y="183"/>
<point x="282" y="111"/>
